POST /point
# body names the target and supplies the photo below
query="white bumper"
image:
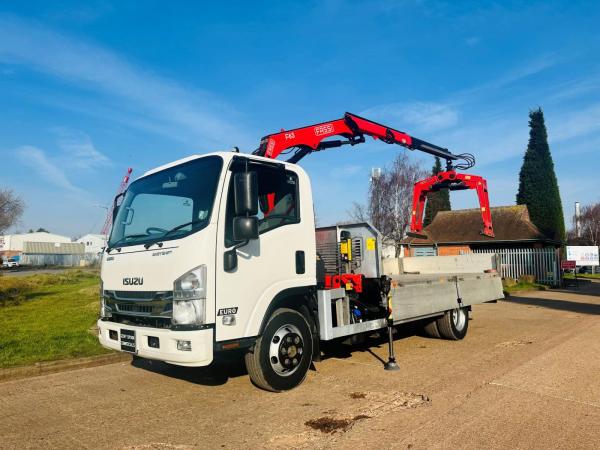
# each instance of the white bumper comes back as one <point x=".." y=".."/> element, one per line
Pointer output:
<point x="200" y="355"/>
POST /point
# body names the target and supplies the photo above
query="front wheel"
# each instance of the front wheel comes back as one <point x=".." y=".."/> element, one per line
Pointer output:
<point x="281" y="357"/>
<point x="453" y="324"/>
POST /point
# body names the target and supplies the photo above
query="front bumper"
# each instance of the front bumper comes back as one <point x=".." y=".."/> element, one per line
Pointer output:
<point x="200" y="355"/>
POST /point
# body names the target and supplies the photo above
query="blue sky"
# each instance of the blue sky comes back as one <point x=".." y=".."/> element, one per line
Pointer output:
<point x="87" y="90"/>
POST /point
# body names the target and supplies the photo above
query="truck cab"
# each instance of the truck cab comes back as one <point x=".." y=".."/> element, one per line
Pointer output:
<point x="180" y="280"/>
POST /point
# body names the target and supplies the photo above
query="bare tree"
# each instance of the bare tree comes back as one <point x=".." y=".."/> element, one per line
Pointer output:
<point x="389" y="204"/>
<point x="590" y="223"/>
<point x="11" y="209"/>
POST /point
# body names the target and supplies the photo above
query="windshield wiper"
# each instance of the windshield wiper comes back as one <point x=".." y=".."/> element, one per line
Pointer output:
<point x="178" y="227"/>
<point x="123" y="240"/>
<point x="172" y="230"/>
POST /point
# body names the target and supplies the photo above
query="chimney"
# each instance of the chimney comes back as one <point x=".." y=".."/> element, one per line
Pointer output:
<point x="375" y="173"/>
<point x="577" y="220"/>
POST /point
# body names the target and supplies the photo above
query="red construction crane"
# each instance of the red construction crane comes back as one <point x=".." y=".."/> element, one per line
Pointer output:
<point x="109" y="216"/>
<point x="353" y="128"/>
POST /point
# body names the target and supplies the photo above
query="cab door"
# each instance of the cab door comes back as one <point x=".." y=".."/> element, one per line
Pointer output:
<point x="275" y="262"/>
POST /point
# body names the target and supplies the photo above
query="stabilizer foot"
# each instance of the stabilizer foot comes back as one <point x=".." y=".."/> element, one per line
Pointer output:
<point x="391" y="365"/>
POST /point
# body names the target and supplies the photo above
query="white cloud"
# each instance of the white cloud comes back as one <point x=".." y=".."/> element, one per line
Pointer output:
<point x="575" y="123"/>
<point x="490" y="141"/>
<point x="574" y="89"/>
<point x="197" y="113"/>
<point x="347" y="170"/>
<point x="79" y="150"/>
<point x="512" y="76"/>
<point x="423" y="116"/>
<point x="37" y="160"/>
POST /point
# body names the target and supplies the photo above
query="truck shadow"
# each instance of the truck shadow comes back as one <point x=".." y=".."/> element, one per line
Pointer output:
<point x="581" y="287"/>
<point x="343" y="349"/>
<point x="224" y="369"/>
<point x="563" y="305"/>
<point x="217" y="374"/>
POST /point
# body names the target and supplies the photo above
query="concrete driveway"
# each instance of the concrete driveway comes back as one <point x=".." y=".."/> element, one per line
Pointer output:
<point x="526" y="376"/>
<point x="23" y="272"/>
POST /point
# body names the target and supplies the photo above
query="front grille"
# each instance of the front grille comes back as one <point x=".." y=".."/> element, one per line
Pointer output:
<point x="146" y="308"/>
<point x="132" y="307"/>
<point x="139" y="295"/>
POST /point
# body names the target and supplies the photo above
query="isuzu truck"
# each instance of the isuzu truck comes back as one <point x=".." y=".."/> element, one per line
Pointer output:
<point x="219" y="251"/>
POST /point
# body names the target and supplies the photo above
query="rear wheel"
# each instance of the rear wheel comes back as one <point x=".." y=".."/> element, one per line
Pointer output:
<point x="453" y="324"/>
<point x="281" y="357"/>
<point x="430" y="328"/>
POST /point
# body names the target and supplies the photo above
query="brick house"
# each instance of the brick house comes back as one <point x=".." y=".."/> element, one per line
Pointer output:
<point x="458" y="232"/>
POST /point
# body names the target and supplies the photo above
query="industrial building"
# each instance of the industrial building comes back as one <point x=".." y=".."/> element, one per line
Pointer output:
<point x="42" y="248"/>
<point x="94" y="243"/>
<point x="53" y="254"/>
<point x="12" y="245"/>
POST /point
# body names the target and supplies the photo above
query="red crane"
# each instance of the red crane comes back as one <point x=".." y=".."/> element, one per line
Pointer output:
<point x="109" y="216"/>
<point x="353" y="128"/>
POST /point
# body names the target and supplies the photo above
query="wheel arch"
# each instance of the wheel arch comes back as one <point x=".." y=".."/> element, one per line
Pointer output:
<point x="302" y="299"/>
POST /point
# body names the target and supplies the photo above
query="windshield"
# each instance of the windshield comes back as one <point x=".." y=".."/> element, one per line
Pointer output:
<point x="168" y="204"/>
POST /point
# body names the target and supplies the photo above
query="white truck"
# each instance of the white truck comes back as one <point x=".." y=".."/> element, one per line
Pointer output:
<point x="10" y="262"/>
<point x="217" y="252"/>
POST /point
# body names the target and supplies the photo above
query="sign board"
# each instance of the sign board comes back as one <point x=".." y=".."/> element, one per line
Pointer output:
<point x="583" y="255"/>
<point x="566" y="265"/>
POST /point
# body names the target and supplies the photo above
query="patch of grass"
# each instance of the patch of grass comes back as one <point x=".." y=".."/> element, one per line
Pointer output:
<point x="593" y="276"/>
<point x="49" y="317"/>
<point x="525" y="286"/>
<point x="15" y="290"/>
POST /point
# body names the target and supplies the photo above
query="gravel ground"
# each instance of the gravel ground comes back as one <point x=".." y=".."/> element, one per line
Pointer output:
<point x="526" y="376"/>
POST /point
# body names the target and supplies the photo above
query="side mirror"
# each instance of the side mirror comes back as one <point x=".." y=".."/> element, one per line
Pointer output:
<point x="117" y="205"/>
<point x="230" y="260"/>
<point x="245" y="189"/>
<point x="245" y="228"/>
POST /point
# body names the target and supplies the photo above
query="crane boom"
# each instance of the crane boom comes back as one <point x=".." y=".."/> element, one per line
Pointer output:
<point x="353" y="129"/>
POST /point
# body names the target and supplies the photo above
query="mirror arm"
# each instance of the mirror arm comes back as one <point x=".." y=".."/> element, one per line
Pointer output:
<point x="239" y="245"/>
<point x="233" y="251"/>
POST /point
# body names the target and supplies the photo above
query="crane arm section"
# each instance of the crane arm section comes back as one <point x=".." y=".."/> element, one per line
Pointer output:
<point x="353" y="129"/>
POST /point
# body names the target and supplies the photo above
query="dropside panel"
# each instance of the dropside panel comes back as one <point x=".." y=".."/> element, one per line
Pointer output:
<point x="425" y="295"/>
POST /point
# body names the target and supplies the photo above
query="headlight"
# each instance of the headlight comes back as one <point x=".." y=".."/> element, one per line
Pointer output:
<point x="189" y="298"/>
<point x="105" y="312"/>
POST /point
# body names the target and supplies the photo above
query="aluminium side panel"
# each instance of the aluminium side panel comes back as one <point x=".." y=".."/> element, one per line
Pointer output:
<point x="425" y="296"/>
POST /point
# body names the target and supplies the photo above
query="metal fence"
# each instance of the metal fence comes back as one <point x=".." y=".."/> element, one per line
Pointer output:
<point x="80" y="260"/>
<point x="543" y="263"/>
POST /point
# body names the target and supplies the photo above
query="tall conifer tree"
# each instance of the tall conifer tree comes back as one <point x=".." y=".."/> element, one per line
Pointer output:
<point x="538" y="186"/>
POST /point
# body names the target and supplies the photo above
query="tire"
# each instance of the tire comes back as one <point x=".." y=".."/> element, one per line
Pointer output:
<point x="431" y="329"/>
<point x="269" y="363"/>
<point x="453" y="325"/>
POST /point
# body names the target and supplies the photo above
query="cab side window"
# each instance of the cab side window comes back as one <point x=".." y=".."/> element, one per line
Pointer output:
<point x="277" y="199"/>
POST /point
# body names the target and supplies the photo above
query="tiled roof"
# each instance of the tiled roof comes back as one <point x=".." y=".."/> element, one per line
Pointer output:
<point x="511" y="223"/>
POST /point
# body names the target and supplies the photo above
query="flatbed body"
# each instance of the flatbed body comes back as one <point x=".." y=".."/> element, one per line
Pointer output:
<point x="413" y="297"/>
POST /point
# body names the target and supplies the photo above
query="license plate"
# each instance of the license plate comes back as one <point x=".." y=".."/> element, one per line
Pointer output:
<point x="128" y="341"/>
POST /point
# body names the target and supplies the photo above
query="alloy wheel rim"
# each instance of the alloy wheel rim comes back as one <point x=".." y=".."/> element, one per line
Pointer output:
<point x="459" y="318"/>
<point x="286" y="350"/>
